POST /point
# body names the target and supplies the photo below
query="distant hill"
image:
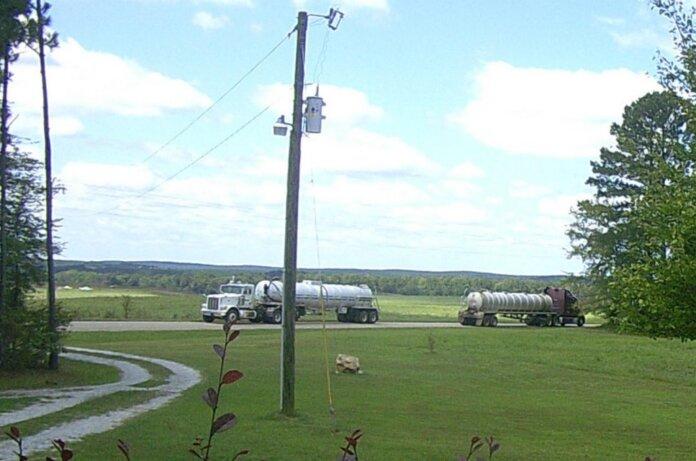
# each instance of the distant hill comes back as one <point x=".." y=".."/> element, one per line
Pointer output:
<point x="166" y="266"/>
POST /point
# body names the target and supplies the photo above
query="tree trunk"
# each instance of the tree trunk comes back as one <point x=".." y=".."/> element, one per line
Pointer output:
<point x="52" y="311"/>
<point x="3" y="185"/>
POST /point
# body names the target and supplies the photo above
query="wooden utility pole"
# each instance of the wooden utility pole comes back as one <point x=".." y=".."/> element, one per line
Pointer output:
<point x="287" y="365"/>
<point x="52" y="310"/>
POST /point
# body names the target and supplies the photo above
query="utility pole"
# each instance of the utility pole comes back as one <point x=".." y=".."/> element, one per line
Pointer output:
<point x="287" y="365"/>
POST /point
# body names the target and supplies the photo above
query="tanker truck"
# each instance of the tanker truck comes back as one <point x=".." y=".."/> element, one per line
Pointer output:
<point x="263" y="302"/>
<point x="553" y="307"/>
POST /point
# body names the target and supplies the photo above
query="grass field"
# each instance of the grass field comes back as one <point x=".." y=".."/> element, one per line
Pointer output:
<point x="546" y="394"/>
<point x="107" y="304"/>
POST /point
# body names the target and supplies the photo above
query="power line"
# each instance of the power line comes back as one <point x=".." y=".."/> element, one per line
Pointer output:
<point x="220" y="98"/>
<point x="208" y="152"/>
<point x="194" y="161"/>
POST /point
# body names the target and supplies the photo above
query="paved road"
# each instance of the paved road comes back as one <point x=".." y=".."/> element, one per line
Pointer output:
<point x="186" y="326"/>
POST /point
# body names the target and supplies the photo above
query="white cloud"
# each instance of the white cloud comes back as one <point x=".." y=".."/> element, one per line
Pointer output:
<point x="81" y="81"/>
<point x="344" y="106"/>
<point x="360" y="151"/>
<point x="560" y="206"/>
<point x="345" y="191"/>
<point x="466" y="170"/>
<point x="60" y="125"/>
<point x="523" y="189"/>
<point x="208" y="21"/>
<point x="66" y="126"/>
<point x="77" y="175"/>
<point x="548" y="112"/>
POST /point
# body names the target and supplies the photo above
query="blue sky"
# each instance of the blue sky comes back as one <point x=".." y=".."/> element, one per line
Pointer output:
<point x="458" y="134"/>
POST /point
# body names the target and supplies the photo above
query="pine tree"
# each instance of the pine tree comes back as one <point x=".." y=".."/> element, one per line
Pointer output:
<point x="627" y="228"/>
<point x="12" y="33"/>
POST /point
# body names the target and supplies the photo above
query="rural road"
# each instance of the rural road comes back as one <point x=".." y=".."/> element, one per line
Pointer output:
<point x="187" y="326"/>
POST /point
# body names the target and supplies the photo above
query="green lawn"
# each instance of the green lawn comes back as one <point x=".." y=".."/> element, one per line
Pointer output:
<point x="546" y="394"/>
<point x="71" y="373"/>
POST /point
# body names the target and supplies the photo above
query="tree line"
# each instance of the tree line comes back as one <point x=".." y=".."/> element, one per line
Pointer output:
<point x="208" y="282"/>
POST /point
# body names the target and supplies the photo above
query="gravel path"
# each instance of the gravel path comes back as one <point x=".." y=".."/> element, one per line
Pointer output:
<point x="180" y="379"/>
<point x="53" y="400"/>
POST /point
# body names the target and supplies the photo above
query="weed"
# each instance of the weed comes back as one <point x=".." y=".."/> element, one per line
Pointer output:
<point x="126" y="303"/>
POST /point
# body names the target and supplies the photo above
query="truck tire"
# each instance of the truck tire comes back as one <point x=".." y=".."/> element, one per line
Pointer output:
<point x="257" y="319"/>
<point x="277" y="317"/>
<point x="342" y="317"/>
<point x="232" y="315"/>
<point x="362" y="317"/>
<point x="493" y="321"/>
<point x="208" y="318"/>
<point x="580" y="321"/>
<point x="372" y="317"/>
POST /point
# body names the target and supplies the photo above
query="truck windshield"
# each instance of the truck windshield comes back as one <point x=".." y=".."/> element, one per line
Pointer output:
<point x="232" y="289"/>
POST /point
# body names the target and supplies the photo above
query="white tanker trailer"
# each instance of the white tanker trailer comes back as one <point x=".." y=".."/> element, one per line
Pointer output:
<point x="263" y="302"/>
<point x="553" y="307"/>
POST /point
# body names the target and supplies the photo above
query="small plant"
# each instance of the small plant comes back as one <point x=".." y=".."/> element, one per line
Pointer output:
<point x="350" y="451"/>
<point x="212" y="398"/>
<point x="16" y="437"/>
<point x="65" y="453"/>
<point x="126" y="303"/>
<point x="431" y="341"/>
<point x="124" y="448"/>
<point x="476" y="444"/>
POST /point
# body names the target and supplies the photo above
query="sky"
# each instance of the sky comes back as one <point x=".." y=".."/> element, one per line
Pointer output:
<point x="458" y="135"/>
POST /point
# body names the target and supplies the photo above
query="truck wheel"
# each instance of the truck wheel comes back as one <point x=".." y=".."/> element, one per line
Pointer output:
<point x="277" y="317"/>
<point x="560" y="322"/>
<point x="232" y="315"/>
<point x="486" y="321"/>
<point x="494" y="321"/>
<point x="342" y="317"/>
<point x="362" y="317"/>
<point x="257" y="319"/>
<point x="208" y="318"/>
<point x="372" y="317"/>
<point x="580" y="321"/>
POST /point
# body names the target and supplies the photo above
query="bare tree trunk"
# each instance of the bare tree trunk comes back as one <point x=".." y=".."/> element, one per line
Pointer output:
<point x="52" y="311"/>
<point x="3" y="186"/>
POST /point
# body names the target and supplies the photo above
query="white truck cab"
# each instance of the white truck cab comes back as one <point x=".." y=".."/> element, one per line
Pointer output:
<point x="234" y="301"/>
